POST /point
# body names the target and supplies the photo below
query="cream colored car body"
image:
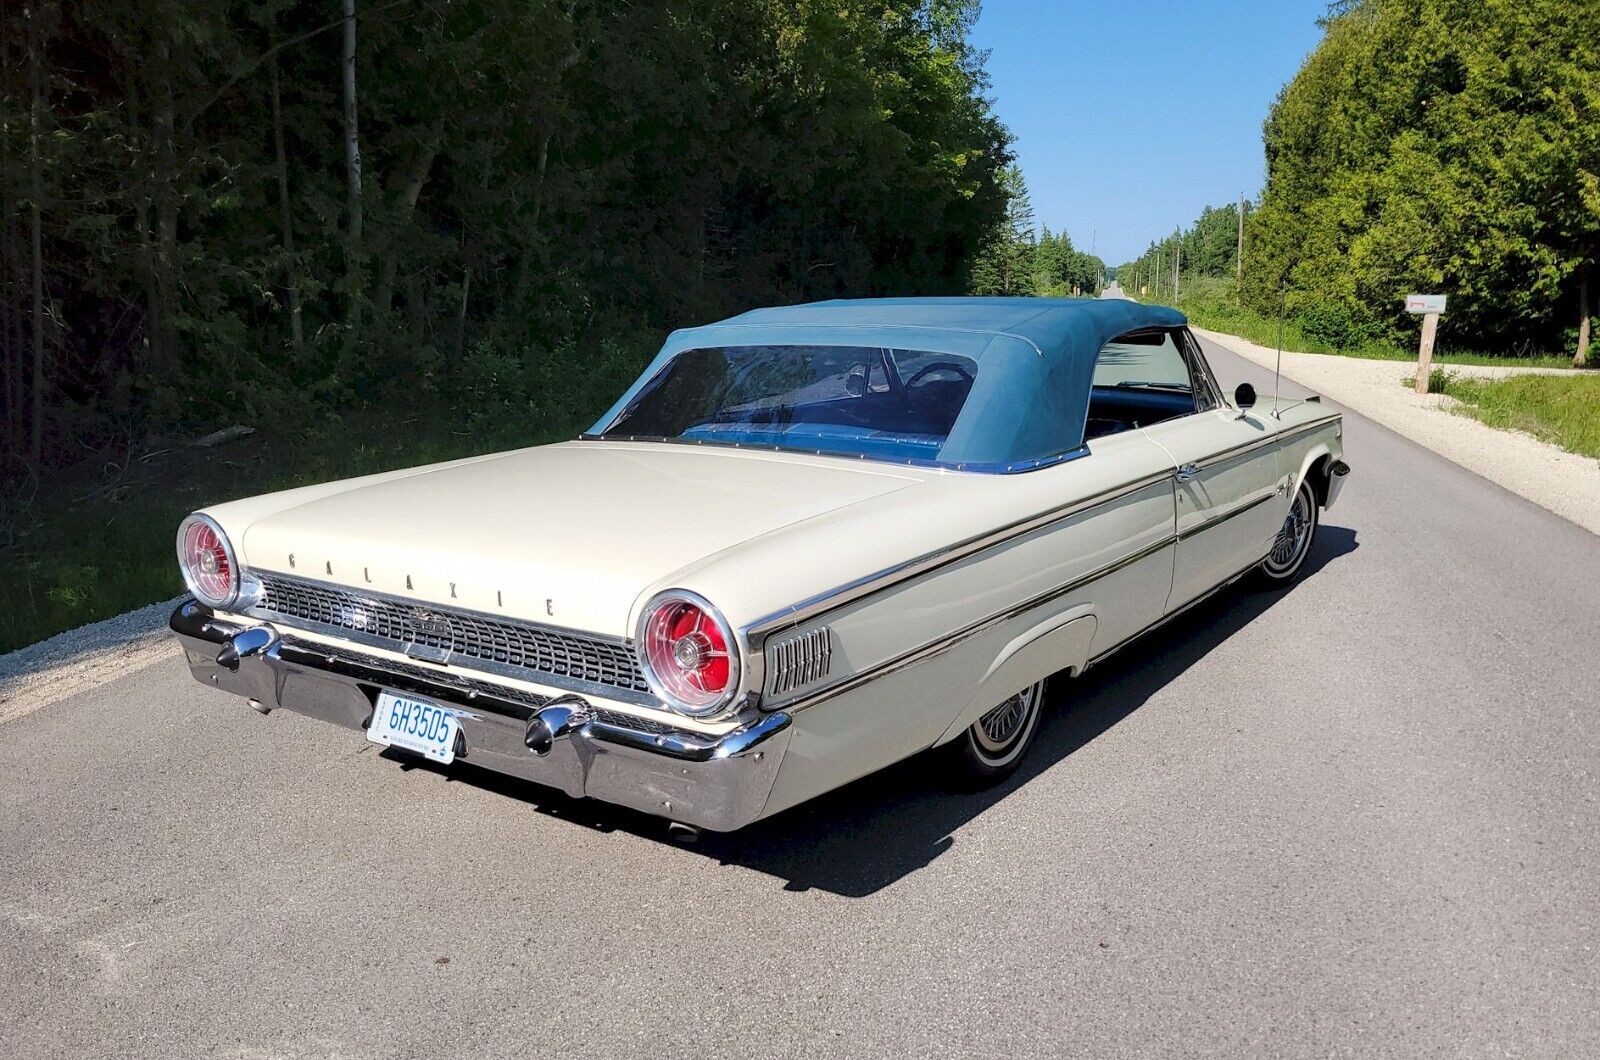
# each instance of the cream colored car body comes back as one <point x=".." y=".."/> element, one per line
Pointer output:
<point x="943" y="591"/>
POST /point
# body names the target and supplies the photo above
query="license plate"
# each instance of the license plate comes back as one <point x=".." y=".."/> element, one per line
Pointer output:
<point x="416" y="725"/>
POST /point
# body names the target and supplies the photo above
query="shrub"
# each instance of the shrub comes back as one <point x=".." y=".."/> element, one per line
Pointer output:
<point x="1337" y="324"/>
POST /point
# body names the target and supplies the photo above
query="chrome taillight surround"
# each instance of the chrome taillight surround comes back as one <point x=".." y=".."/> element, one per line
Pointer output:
<point x="192" y="578"/>
<point x="244" y="588"/>
<point x="722" y="700"/>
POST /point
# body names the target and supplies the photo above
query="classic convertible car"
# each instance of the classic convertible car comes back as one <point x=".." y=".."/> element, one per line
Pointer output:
<point x="808" y="542"/>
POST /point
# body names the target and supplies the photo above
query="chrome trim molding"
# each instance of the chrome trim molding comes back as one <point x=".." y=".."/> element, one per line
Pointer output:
<point x="735" y="649"/>
<point x="717" y="782"/>
<point x="932" y="561"/>
<point x="800" y="660"/>
<point x="1218" y="520"/>
<point x="1282" y="437"/>
<point x="457" y="636"/>
<point x="975" y="467"/>
<point x="238" y="586"/>
<point x="1170" y="615"/>
<point x="950" y="640"/>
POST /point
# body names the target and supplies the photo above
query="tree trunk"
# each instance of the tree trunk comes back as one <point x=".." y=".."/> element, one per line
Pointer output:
<point x="410" y="192"/>
<point x="461" y="317"/>
<point x="7" y="350"/>
<point x="35" y="193"/>
<point x="141" y="190"/>
<point x="1580" y="359"/>
<point x="164" y="350"/>
<point x="352" y="165"/>
<point x="286" y="216"/>
<point x="10" y="351"/>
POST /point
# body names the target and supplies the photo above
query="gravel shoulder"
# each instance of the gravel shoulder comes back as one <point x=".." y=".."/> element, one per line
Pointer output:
<point x="1562" y="482"/>
<point x="34" y="677"/>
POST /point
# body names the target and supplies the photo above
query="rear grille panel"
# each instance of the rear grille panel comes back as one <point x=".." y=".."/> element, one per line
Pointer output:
<point x="461" y="691"/>
<point x="437" y="633"/>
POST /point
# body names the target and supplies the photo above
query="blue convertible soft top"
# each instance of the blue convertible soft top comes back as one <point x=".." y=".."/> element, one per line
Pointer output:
<point x="1036" y="359"/>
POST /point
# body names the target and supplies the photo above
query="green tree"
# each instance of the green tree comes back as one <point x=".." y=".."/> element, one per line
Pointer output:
<point x="231" y="228"/>
<point x="1448" y="145"/>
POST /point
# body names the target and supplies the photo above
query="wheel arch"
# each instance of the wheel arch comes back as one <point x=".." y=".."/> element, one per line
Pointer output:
<point x="1060" y="643"/>
<point x="1316" y="467"/>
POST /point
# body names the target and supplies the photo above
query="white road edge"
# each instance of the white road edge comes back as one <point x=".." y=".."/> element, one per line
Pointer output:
<point x="1556" y="480"/>
<point x="34" y="677"/>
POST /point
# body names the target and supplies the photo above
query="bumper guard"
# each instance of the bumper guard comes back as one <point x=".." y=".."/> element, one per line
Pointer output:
<point x="717" y="783"/>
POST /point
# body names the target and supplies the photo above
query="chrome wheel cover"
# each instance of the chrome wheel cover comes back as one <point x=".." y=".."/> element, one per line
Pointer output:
<point x="999" y="735"/>
<point x="1294" y="537"/>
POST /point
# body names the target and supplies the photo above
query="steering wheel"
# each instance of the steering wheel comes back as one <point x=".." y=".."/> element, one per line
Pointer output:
<point x="938" y="366"/>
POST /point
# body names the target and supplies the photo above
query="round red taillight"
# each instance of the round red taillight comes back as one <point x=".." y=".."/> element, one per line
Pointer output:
<point x="687" y="653"/>
<point x="207" y="561"/>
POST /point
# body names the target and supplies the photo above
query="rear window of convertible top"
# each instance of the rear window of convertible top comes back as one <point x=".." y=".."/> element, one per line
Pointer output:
<point x="883" y="404"/>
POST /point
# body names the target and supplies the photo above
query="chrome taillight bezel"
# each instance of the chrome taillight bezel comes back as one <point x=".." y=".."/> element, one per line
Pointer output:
<point x="235" y="575"/>
<point x="736" y="667"/>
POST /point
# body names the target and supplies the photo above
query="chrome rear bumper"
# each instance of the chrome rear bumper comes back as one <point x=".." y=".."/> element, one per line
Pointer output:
<point x="718" y="783"/>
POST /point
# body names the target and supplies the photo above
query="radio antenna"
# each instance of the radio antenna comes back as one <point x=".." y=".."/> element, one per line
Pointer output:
<point x="1277" y="370"/>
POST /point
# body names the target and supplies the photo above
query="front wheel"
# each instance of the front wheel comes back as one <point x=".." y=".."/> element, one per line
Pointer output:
<point x="1293" y="543"/>
<point x="992" y="746"/>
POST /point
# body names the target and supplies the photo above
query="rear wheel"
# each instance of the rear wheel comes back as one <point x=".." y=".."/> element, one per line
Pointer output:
<point x="992" y="746"/>
<point x="1293" y="543"/>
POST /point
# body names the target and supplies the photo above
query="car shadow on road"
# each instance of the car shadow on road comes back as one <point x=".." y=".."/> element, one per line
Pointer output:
<point x="865" y="836"/>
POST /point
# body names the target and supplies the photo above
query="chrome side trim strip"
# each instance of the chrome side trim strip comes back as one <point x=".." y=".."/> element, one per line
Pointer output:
<point x="1169" y="616"/>
<point x="1218" y="520"/>
<point x="932" y="561"/>
<point x="976" y="467"/>
<point x="950" y="640"/>
<point x="1261" y="443"/>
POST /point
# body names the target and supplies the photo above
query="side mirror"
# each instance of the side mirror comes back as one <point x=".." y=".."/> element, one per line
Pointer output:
<point x="1244" y="396"/>
<point x="855" y="381"/>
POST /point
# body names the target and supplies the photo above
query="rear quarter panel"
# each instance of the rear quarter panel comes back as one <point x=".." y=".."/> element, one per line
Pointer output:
<point x="991" y="623"/>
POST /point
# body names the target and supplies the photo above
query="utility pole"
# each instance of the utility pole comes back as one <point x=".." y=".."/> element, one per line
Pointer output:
<point x="1157" y="283"/>
<point x="1177" y="264"/>
<point x="1239" y="255"/>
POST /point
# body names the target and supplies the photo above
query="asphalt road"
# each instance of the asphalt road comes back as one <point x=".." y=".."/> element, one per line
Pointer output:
<point x="1355" y="818"/>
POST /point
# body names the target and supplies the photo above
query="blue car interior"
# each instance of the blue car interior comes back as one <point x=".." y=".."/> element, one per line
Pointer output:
<point x="909" y="425"/>
<point x="1115" y="409"/>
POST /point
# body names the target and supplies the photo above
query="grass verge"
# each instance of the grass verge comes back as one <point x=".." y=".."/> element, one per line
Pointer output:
<point x="97" y="540"/>
<point x="1211" y="304"/>
<point x="1562" y="410"/>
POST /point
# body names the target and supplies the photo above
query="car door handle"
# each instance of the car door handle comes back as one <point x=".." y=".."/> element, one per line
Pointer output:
<point x="1187" y="472"/>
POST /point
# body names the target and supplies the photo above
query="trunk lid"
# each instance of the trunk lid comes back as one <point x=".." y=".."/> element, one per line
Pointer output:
<point x="566" y="534"/>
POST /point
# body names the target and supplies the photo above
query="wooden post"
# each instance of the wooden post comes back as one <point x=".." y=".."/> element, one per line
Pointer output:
<point x="1580" y="359"/>
<point x="1430" y="327"/>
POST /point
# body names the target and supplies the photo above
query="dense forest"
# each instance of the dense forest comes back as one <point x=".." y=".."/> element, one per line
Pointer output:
<point x="1432" y="145"/>
<point x="267" y="211"/>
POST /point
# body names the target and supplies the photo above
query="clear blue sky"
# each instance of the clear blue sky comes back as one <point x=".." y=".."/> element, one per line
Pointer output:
<point x="1131" y="117"/>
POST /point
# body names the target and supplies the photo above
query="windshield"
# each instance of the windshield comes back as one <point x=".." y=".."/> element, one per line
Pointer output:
<point x="862" y="401"/>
